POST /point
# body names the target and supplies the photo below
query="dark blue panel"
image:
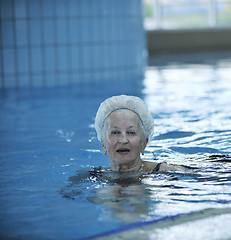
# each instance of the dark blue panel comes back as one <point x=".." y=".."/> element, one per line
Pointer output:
<point x="7" y="33"/>
<point x="20" y="9"/>
<point x="22" y="55"/>
<point x="36" y="63"/>
<point x="35" y="32"/>
<point x="6" y="9"/>
<point x="9" y="60"/>
<point x="21" y="32"/>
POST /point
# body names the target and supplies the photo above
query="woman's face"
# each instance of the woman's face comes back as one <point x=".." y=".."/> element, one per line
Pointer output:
<point x="123" y="140"/>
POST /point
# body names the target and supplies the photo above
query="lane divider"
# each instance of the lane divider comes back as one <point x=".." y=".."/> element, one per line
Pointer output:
<point x="166" y="221"/>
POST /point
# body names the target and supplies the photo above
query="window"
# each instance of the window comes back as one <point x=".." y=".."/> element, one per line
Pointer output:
<point x="185" y="14"/>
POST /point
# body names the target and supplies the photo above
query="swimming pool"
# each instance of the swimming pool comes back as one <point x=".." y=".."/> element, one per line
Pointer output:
<point x="48" y="141"/>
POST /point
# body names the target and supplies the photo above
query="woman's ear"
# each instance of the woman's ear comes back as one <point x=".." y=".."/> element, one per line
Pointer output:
<point x="146" y="141"/>
<point x="144" y="144"/>
<point x="104" y="147"/>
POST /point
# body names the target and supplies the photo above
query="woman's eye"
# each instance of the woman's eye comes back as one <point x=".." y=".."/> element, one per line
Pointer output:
<point x="115" y="132"/>
<point x="131" y="132"/>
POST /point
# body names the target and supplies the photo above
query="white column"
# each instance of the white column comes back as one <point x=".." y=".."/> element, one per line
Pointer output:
<point x="212" y="14"/>
<point x="157" y="13"/>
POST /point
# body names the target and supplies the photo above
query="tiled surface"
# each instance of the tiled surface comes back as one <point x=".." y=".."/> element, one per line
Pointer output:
<point x="58" y="42"/>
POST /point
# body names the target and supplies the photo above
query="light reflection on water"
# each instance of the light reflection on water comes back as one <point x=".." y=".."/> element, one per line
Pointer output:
<point x="191" y="106"/>
<point x="132" y="197"/>
<point x="194" y="99"/>
<point x="49" y="144"/>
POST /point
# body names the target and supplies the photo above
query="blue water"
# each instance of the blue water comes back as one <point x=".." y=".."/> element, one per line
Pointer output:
<point x="47" y="141"/>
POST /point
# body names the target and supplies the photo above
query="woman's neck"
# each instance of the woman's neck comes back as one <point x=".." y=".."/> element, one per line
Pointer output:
<point x="127" y="167"/>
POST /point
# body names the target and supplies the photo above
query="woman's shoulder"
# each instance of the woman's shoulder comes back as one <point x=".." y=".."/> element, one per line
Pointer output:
<point x="151" y="166"/>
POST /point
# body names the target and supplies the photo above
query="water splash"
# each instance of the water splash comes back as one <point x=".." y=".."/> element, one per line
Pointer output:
<point x="65" y="135"/>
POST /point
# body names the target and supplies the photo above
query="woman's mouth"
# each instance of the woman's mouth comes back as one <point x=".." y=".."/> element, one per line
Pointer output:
<point x="123" y="150"/>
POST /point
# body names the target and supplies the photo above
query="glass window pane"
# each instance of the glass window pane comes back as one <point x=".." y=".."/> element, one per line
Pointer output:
<point x="184" y="14"/>
<point x="223" y="9"/>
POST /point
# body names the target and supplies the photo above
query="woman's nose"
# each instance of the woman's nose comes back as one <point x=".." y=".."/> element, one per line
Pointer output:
<point x="123" y="138"/>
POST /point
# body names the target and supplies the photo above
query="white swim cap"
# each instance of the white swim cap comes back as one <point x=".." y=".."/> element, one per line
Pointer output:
<point x="132" y="103"/>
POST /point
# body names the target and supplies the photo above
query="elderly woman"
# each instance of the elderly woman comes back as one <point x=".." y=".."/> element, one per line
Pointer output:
<point x="125" y="127"/>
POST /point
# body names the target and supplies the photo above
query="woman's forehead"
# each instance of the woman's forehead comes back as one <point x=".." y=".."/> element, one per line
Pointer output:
<point x="124" y="117"/>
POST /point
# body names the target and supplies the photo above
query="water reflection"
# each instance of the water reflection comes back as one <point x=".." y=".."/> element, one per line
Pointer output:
<point x="192" y="112"/>
<point x="131" y="197"/>
<point x="128" y="197"/>
<point x="127" y="203"/>
<point x="190" y="99"/>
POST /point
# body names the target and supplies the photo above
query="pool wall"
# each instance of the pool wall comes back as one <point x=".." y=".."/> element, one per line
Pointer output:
<point x="56" y="42"/>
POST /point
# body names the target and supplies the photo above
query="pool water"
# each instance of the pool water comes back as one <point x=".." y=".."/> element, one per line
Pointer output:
<point x="48" y="145"/>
